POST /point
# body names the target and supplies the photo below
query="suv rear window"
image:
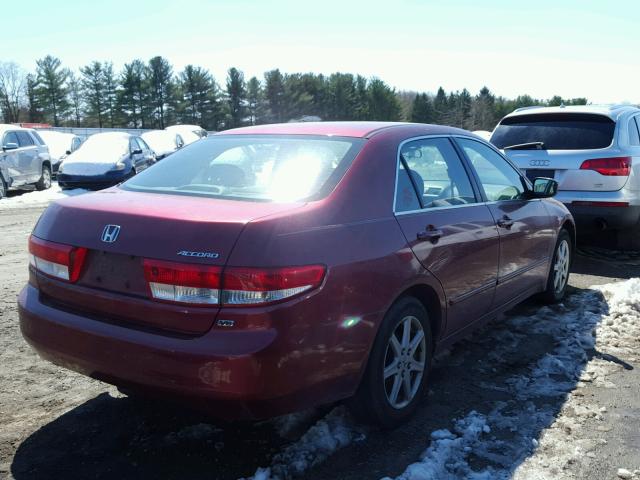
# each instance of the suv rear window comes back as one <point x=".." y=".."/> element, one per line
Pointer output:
<point x="557" y="131"/>
<point x="259" y="168"/>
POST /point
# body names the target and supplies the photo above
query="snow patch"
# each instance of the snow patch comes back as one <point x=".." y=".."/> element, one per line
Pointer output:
<point x="38" y="198"/>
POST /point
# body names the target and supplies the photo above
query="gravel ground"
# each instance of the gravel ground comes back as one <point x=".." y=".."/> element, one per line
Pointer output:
<point x="57" y="424"/>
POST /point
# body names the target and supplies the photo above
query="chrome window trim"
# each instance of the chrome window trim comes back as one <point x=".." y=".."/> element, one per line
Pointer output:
<point x="395" y="187"/>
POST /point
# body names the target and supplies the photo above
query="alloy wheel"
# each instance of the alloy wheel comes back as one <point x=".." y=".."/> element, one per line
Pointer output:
<point x="405" y="362"/>
<point x="561" y="266"/>
<point x="46" y="178"/>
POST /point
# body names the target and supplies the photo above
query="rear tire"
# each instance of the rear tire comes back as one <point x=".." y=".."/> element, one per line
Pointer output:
<point x="3" y="188"/>
<point x="396" y="376"/>
<point x="45" y="179"/>
<point x="558" y="278"/>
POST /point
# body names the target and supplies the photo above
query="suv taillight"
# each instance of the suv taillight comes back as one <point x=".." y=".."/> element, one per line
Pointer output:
<point x="56" y="259"/>
<point x="208" y="285"/>
<point x="612" y="166"/>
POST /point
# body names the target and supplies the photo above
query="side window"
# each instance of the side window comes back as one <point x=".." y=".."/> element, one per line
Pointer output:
<point x="10" y="137"/>
<point x="24" y="139"/>
<point x="38" y="138"/>
<point x="75" y="144"/>
<point x="143" y="144"/>
<point x="437" y="172"/>
<point x="406" y="198"/>
<point x="634" y="136"/>
<point x="133" y="145"/>
<point x="499" y="179"/>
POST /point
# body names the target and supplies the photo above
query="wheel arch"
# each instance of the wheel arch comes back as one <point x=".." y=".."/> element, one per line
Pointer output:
<point x="430" y="300"/>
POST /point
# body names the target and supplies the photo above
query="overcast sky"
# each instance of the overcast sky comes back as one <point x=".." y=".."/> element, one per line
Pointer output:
<point x="566" y="47"/>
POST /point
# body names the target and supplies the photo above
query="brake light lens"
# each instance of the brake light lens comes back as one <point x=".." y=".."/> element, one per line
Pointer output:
<point x="209" y="285"/>
<point x="251" y="286"/>
<point x="611" y="167"/>
<point x="183" y="283"/>
<point x="56" y="259"/>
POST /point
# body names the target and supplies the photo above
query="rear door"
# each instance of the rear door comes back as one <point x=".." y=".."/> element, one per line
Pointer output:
<point x="449" y="230"/>
<point x="28" y="159"/>
<point x="526" y="233"/>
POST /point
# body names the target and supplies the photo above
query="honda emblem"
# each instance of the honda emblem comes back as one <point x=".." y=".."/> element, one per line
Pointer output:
<point x="110" y="233"/>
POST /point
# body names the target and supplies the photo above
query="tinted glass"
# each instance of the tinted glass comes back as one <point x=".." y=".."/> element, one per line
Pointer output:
<point x="24" y="139"/>
<point x="499" y="179"/>
<point x="38" y="138"/>
<point x="437" y="172"/>
<point x="634" y="137"/>
<point x="142" y="144"/>
<point x="557" y="131"/>
<point x="10" y="137"/>
<point x="262" y="168"/>
<point x="406" y="197"/>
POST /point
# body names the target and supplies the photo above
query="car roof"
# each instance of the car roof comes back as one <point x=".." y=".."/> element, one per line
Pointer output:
<point x="7" y="126"/>
<point x="611" y="111"/>
<point x="338" y="129"/>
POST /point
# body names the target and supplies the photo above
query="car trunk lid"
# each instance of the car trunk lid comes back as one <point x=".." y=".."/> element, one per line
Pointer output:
<point x="173" y="228"/>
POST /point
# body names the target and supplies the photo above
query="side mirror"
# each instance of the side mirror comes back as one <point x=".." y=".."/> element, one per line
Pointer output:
<point x="9" y="146"/>
<point x="137" y="151"/>
<point x="544" y="187"/>
<point x="68" y="152"/>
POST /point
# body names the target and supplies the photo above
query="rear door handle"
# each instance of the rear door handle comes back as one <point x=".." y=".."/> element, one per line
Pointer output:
<point x="505" y="222"/>
<point x="430" y="233"/>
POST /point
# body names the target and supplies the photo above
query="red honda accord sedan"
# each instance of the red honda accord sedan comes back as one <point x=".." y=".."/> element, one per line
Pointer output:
<point x="273" y="268"/>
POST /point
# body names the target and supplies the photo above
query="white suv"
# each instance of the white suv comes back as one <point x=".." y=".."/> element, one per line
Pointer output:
<point x="593" y="152"/>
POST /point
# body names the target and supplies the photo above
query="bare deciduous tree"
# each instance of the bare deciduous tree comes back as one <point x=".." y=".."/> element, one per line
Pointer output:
<point x="12" y="83"/>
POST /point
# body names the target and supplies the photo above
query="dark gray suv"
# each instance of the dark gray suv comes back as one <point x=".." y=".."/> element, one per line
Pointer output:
<point x="24" y="159"/>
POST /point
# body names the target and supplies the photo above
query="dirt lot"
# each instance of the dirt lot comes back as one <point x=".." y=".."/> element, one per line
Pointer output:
<point x="542" y="393"/>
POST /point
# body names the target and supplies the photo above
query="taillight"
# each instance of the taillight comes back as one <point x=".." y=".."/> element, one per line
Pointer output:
<point x="250" y="286"/>
<point x="209" y="285"/>
<point x="183" y="283"/>
<point x="612" y="166"/>
<point x="56" y="259"/>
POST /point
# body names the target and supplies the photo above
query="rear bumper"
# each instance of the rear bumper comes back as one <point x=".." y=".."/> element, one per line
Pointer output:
<point x="599" y="213"/>
<point x="95" y="182"/>
<point x="228" y="374"/>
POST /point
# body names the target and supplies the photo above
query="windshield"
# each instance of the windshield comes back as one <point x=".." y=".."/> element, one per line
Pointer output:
<point x="556" y="131"/>
<point x="262" y="168"/>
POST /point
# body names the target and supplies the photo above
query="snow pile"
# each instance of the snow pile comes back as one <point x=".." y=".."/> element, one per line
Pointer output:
<point x="187" y="132"/>
<point x="446" y="456"/>
<point x="38" y="199"/>
<point x="329" y="434"/>
<point x="529" y="438"/>
<point x="98" y="154"/>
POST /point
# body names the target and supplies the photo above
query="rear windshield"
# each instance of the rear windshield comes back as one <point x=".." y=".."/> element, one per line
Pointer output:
<point x="259" y="168"/>
<point x="557" y="131"/>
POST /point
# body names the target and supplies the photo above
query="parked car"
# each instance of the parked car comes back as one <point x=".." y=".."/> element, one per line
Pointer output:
<point x="189" y="133"/>
<point x="592" y="151"/>
<point x="24" y="160"/>
<point x="60" y="146"/>
<point x="163" y="142"/>
<point x="105" y="159"/>
<point x="332" y="264"/>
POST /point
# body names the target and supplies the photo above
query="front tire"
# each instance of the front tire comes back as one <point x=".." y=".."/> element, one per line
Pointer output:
<point x="558" y="278"/>
<point x="398" y="366"/>
<point x="45" y="179"/>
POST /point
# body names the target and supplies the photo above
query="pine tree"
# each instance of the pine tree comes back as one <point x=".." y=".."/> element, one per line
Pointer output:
<point x="440" y="106"/>
<point x="422" y="111"/>
<point x="342" y="97"/>
<point x="75" y="98"/>
<point x="93" y="85"/>
<point x="158" y="76"/>
<point x="133" y="95"/>
<point x="254" y="100"/>
<point x="51" y="90"/>
<point x="110" y="93"/>
<point x="34" y="110"/>
<point x="236" y="97"/>
<point x="199" y="103"/>
<point x="274" y="94"/>
<point x="383" y="104"/>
